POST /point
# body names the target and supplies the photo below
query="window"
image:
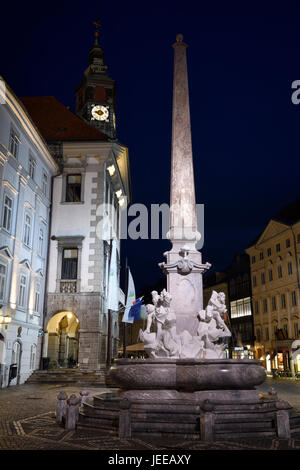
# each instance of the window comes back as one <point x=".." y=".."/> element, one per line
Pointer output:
<point x="73" y="188"/>
<point x="258" y="336"/>
<point x="254" y="281"/>
<point x="253" y="259"/>
<point x="278" y="247"/>
<point x="14" y="143"/>
<point x="279" y="271"/>
<point x="261" y="255"/>
<point x="240" y="308"/>
<point x="287" y="243"/>
<point x="69" y="263"/>
<point x="22" y="291"/>
<point x="2" y="280"/>
<point x="27" y="230"/>
<point x="296" y="329"/>
<point x="265" y="305"/>
<point x="270" y="275"/>
<point x="256" y="309"/>
<point x="269" y="251"/>
<point x="290" y="268"/>
<point x="37" y="297"/>
<point x="294" y="299"/>
<point x="298" y="238"/>
<point x="273" y="302"/>
<point x="44" y="184"/>
<point x="31" y="166"/>
<point x="41" y="242"/>
<point x="283" y="302"/>
<point x="267" y="333"/>
<point x="7" y="213"/>
<point x="263" y="279"/>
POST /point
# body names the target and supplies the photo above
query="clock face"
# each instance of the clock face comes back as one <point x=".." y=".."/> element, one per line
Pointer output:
<point x="100" y="113"/>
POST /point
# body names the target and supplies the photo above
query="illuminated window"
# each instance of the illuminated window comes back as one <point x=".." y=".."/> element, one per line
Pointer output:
<point x="240" y="308"/>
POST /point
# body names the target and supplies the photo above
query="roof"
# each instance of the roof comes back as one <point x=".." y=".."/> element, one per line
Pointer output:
<point x="56" y="122"/>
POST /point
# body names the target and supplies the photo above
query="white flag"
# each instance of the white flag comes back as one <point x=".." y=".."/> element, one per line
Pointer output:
<point x="129" y="299"/>
<point x="113" y="284"/>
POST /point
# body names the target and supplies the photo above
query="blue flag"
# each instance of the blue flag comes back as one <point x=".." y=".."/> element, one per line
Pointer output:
<point x="138" y="310"/>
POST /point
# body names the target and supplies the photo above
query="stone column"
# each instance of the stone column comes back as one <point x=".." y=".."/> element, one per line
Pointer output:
<point x="184" y="266"/>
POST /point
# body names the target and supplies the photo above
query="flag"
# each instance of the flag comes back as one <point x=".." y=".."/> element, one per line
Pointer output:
<point x="130" y="298"/>
<point x="138" y="310"/>
<point x="113" y="283"/>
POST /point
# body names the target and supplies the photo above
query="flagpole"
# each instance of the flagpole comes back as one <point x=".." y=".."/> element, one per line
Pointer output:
<point x="124" y="323"/>
<point x="108" y="351"/>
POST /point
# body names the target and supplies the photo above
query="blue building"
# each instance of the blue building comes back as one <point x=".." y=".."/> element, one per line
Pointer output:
<point x="26" y="170"/>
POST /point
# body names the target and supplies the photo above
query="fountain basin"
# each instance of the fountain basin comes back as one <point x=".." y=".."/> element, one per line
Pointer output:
<point x="187" y="374"/>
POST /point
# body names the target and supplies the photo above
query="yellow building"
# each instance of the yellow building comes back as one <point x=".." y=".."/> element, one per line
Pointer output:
<point x="275" y="274"/>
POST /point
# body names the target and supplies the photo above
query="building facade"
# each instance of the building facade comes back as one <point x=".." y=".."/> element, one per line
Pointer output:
<point x="89" y="196"/>
<point x="274" y="258"/>
<point x="26" y="170"/>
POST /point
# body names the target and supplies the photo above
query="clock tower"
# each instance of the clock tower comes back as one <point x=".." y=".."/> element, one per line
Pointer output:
<point x="96" y="94"/>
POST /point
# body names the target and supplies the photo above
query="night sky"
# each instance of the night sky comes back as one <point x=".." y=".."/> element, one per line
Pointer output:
<point x="245" y="129"/>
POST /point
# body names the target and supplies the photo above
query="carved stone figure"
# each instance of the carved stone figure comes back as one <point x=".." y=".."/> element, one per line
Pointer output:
<point x="166" y="342"/>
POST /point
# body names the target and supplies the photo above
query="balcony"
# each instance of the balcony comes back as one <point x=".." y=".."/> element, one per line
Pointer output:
<point x="68" y="286"/>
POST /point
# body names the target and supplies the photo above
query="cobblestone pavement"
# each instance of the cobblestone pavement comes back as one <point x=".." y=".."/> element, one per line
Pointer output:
<point x="27" y="422"/>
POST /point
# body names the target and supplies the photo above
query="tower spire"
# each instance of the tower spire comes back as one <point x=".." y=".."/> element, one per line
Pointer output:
<point x="96" y="32"/>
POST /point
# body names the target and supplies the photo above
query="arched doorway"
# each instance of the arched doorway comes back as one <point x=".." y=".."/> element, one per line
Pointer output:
<point x="63" y="340"/>
<point x="14" y="379"/>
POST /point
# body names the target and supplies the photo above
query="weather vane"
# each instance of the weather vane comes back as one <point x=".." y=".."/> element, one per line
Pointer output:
<point x="97" y="25"/>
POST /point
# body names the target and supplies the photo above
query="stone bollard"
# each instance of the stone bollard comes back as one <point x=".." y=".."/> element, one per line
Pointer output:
<point x="84" y="397"/>
<point x="72" y="412"/>
<point x="283" y="420"/>
<point x="207" y="422"/>
<point x="61" y="407"/>
<point x="125" y="419"/>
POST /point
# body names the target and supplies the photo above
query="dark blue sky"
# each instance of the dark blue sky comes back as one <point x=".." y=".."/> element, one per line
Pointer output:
<point x="245" y="129"/>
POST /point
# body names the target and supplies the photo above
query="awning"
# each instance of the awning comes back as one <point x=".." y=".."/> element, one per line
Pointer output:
<point x="133" y="347"/>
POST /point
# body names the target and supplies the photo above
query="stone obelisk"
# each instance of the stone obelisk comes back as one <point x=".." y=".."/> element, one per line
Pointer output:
<point x="184" y="266"/>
